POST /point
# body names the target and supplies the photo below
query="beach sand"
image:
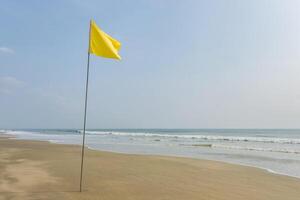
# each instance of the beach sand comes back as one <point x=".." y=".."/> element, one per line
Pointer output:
<point x="41" y="170"/>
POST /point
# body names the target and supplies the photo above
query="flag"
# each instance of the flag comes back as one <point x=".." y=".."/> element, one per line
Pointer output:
<point x="101" y="44"/>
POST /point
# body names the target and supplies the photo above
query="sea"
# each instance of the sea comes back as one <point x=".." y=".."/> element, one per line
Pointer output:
<point x="275" y="150"/>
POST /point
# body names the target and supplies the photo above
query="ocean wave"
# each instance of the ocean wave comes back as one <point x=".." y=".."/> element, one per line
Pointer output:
<point x="201" y="137"/>
<point x="254" y="148"/>
<point x="4" y="130"/>
<point x="174" y="136"/>
<point x="12" y="132"/>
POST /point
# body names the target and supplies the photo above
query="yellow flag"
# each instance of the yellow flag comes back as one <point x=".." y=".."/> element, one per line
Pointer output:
<point x="101" y="44"/>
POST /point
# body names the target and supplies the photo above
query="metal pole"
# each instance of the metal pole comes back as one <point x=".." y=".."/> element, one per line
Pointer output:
<point x="85" y="108"/>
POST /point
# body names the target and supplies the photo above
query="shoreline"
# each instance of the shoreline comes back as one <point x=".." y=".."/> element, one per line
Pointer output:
<point x="45" y="170"/>
<point x="227" y="162"/>
<point x="175" y="156"/>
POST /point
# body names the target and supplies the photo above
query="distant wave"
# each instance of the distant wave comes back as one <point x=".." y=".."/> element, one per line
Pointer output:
<point x="255" y="148"/>
<point x="201" y="137"/>
<point x="244" y="148"/>
<point x="177" y="136"/>
<point x="12" y="132"/>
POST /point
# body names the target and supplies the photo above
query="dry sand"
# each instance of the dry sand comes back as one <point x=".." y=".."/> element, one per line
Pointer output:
<point x="40" y="170"/>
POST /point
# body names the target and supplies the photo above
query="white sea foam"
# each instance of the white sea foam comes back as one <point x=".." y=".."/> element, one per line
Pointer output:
<point x="3" y="131"/>
<point x="282" y="150"/>
<point x="201" y="137"/>
<point x="12" y="132"/>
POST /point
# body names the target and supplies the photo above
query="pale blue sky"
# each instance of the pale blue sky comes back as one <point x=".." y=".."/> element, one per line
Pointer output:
<point x="186" y="64"/>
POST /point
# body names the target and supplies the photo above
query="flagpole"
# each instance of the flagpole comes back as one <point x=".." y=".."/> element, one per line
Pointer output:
<point x="85" y="109"/>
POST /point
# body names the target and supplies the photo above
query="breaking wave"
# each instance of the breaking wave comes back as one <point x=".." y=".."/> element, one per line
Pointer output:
<point x="255" y="148"/>
<point x="200" y="137"/>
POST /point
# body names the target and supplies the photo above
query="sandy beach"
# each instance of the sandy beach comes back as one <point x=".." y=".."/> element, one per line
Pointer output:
<point x="42" y="170"/>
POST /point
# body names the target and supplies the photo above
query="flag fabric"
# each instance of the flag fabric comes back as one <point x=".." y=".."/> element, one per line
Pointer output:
<point x="101" y="44"/>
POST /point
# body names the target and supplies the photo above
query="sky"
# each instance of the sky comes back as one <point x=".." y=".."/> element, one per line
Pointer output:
<point x="185" y="64"/>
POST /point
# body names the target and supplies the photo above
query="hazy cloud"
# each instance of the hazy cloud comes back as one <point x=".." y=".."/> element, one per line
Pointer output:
<point x="6" y="50"/>
<point x="9" y="84"/>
